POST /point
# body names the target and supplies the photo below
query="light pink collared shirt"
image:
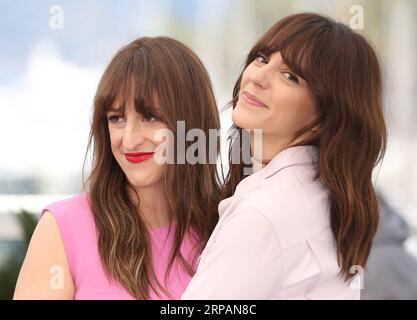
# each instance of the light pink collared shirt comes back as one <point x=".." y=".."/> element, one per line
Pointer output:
<point x="273" y="239"/>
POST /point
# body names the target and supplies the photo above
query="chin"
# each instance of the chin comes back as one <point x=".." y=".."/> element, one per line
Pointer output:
<point x="142" y="179"/>
<point x="139" y="181"/>
<point x="245" y="119"/>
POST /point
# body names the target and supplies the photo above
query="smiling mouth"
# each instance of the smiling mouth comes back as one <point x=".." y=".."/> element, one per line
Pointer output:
<point x="252" y="100"/>
<point x="138" y="157"/>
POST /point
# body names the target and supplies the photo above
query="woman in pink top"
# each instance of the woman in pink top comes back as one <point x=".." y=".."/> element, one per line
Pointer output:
<point x="302" y="226"/>
<point x="142" y="222"/>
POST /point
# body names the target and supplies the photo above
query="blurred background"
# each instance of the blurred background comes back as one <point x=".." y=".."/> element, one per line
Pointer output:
<point x="52" y="54"/>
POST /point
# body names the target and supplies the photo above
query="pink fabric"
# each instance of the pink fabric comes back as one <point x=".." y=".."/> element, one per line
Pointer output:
<point x="274" y="239"/>
<point x="78" y="232"/>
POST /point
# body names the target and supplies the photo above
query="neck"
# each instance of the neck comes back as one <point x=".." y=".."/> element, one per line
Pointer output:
<point x="153" y="205"/>
<point x="264" y="149"/>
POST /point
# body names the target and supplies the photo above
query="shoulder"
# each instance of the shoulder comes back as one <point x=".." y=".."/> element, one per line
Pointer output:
<point x="79" y="201"/>
<point x="76" y="226"/>
<point x="294" y="203"/>
<point x="45" y="258"/>
<point x="247" y="229"/>
<point x="249" y="218"/>
<point x="242" y="260"/>
<point x="70" y="209"/>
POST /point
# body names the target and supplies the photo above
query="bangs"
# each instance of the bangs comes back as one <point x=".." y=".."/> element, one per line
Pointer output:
<point x="130" y="78"/>
<point x="299" y="42"/>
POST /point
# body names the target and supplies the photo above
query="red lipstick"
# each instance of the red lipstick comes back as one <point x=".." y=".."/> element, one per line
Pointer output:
<point x="137" y="157"/>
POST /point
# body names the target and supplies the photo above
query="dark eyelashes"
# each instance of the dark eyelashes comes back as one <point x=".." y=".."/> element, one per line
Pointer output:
<point x="147" y="117"/>
<point x="294" y="78"/>
<point x="145" y="111"/>
<point x="262" y="58"/>
<point x="113" y="117"/>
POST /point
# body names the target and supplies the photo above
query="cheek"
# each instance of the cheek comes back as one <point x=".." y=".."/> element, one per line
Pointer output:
<point x="245" y="77"/>
<point x="115" y="139"/>
<point x="304" y="109"/>
<point x="160" y="135"/>
<point x="293" y="109"/>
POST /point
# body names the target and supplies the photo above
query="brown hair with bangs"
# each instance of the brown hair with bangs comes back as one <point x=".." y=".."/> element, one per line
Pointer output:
<point x="170" y="82"/>
<point x="343" y="74"/>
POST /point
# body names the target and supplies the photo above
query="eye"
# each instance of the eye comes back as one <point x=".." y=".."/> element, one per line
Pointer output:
<point x="150" y="118"/>
<point x="291" y="77"/>
<point x="114" y="118"/>
<point x="261" y="58"/>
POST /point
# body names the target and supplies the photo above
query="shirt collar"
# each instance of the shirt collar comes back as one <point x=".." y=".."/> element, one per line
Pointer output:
<point x="299" y="155"/>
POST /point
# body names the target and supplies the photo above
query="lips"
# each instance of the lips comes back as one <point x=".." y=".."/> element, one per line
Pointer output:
<point x="252" y="100"/>
<point x="138" y="157"/>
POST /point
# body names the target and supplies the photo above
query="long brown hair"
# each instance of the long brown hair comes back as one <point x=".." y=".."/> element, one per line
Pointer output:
<point x="171" y="82"/>
<point x="343" y="74"/>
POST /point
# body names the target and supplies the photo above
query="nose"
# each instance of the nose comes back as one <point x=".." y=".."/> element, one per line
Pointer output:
<point x="260" y="77"/>
<point x="133" y="136"/>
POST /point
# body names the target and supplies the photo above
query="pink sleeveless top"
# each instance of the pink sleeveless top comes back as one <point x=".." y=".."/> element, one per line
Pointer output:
<point x="77" y="227"/>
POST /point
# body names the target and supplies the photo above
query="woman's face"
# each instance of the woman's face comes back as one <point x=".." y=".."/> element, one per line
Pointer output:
<point x="133" y="143"/>
<point x="273" y="98"/>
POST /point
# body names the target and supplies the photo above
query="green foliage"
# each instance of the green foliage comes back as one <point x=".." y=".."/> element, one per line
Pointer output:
<point x="9" y="270"/>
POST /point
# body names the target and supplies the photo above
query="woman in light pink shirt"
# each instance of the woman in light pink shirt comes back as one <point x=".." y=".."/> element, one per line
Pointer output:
<point x="139" y="227"/>
<point x="301" y="226"/>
